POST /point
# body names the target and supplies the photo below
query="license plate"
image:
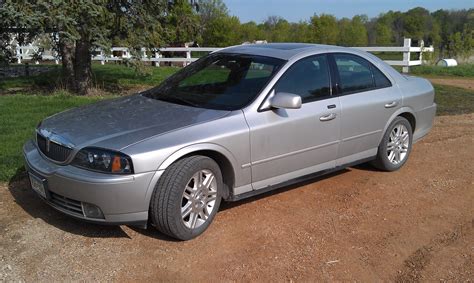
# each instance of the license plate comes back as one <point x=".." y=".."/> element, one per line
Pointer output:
<point x="38" y="185"/>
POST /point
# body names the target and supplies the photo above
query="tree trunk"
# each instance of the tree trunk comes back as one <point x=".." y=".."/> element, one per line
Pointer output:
<point x="82" y="66"/>
<point x="66" y="48"/>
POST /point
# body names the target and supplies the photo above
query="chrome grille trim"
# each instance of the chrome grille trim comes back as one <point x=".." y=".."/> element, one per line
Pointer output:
<point x="55" y="151"/>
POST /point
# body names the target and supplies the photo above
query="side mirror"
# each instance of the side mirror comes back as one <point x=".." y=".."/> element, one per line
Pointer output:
<point x="285" y="100"/>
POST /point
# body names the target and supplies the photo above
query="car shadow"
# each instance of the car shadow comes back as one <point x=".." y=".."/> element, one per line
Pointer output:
<point x="228" y="205"/>
<point x="367" y="167"/>
<point x="24" y="196"/>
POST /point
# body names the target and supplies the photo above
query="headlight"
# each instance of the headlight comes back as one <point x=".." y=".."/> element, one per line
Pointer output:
<point x="102" y="160"/>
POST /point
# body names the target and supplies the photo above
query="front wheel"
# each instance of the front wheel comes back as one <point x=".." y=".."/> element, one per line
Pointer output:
<point x="395" y="146"/>
<point x="187" y="197"/>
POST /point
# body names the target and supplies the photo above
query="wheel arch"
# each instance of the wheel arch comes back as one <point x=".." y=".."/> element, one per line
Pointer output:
<point x="219" y="154"/>
<point x="411" y="119"/>
<point x="405" y="112"/>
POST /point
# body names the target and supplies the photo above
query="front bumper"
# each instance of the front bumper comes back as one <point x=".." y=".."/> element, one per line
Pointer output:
<point x="123" y="199"/>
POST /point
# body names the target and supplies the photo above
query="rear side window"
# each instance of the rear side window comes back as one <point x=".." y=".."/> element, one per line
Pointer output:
<point x="354" y="73"/>
<point x="381" y="80"/>
<point x="308" y="78"/>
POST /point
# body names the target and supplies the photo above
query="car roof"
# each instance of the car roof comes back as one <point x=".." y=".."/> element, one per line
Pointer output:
<point x="283" y="51"/>
<point x="287" y="51"/>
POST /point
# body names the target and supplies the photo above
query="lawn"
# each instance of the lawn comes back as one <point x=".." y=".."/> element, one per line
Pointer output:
<point x="20" y="113"/>
<point x="19" y="116"/>
<point x="110" y="78"/>
<point x="454" y="100"/>
<point x="466" y="70"/>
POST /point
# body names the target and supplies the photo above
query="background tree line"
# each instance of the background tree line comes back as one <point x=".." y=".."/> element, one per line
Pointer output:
<point x="77" y="28"/>
<point x="451" y="32"/>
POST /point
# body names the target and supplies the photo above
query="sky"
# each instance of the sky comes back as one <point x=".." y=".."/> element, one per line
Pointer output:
<point x="296" y="10"/>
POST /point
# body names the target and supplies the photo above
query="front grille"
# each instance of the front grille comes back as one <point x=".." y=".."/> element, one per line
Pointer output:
<point x="56" y="151"/>
<point x="68" y="204"/>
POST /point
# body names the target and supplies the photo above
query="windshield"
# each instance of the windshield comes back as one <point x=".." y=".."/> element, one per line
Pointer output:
<point x="218" y="81"/>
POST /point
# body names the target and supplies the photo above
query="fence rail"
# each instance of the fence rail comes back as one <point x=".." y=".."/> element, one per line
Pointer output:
<point x="32" y="52"/>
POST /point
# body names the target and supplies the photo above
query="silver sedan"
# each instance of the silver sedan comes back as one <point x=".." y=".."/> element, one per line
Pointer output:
<point x="236" y="123"/>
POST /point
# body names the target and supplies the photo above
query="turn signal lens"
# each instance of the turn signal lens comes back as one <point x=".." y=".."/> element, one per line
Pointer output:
<point x="116" y="164"/>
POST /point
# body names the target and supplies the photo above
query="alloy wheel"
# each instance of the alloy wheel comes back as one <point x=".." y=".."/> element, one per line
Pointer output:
<point x="199" y="199"/>
<point x="398" y="144"/>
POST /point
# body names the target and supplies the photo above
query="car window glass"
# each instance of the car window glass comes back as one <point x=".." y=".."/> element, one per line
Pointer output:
<point x="218" y="81"/>
<point x="354" y="73"/>
<point x="259" y="70"/>
<point x="212" y="74"/>
<point x="308" y="78"/>
<point x="381" y="81"/>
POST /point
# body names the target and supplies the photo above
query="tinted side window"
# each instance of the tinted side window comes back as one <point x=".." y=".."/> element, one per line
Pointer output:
<point x="308" y="78"/>
<point x="354" y="73"/>
<point x="381" y="80"/>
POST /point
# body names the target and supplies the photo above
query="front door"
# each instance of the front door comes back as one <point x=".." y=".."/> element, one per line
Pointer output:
<point x="289" y="143"/>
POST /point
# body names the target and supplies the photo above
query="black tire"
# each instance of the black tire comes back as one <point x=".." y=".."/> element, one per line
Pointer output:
<point x="382" y="161"/>
<point x="166" y="201"/>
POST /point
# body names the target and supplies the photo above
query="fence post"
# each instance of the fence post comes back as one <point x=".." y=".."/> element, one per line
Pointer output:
<point x="102" y="59"/>
<point x="157" y="56"/>
<point x="188" y="56"/>
<point x="422" y="46"/>
<point x="38" y="52"/>
<point x="56" y="57"/>
<point x="406" y="55"/>
<point x="18" y="54"/>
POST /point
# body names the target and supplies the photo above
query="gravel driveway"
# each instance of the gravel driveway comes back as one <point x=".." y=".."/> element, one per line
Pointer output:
<point x="358" y="224"/>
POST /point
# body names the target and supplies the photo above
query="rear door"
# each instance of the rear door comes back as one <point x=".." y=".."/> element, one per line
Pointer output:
<point x="368" y="99"/>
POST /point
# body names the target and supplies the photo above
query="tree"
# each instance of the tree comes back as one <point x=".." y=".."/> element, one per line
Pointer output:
<point x="276" y="29"/>
<point x="353" y="32"/>
<point x="216" y="23"/>
<point x="415" y="22"/>
<point x="83" y="26"/>
<point x="182" y="23"/>
<point x="383" y="30"/>
<point x="300" y="32"/>
<point x="324" y="29"/>
<point x="250" y="32"/>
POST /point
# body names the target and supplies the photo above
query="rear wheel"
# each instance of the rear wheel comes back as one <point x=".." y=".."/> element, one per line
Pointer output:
<point x="187" y="197"/>
<point x="395" y="147"/>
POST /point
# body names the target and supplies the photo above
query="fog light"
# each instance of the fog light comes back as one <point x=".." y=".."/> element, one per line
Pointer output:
<point x="92" y="211"/>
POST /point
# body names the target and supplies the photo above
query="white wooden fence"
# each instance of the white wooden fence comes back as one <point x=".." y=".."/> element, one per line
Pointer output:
<point x="156" y="55"/>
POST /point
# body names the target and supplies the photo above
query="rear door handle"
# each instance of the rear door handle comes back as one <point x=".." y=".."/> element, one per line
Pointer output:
<point x="329" y="117"/>
<point x="391" y="104"/>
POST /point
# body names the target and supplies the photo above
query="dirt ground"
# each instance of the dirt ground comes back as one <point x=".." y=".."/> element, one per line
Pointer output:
<point x="358" y="224"/>
<point x="467" y="83"/>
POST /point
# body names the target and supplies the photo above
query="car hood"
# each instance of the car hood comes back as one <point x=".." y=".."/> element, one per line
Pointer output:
<point x="118" y="123"/>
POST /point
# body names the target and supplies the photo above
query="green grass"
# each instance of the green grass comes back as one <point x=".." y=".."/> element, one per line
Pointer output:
<point x="112" y="76"/>
<point x="19" y="116"/>
<point x="453" y="100"/>
<point x="109" y="77"/>
<point x="464" y="70"/>
<point x="43" y="80"/>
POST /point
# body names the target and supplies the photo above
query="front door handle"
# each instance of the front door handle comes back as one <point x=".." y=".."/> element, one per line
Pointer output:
<point x="391" y="104"/>
<point x="329" y="117"/>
